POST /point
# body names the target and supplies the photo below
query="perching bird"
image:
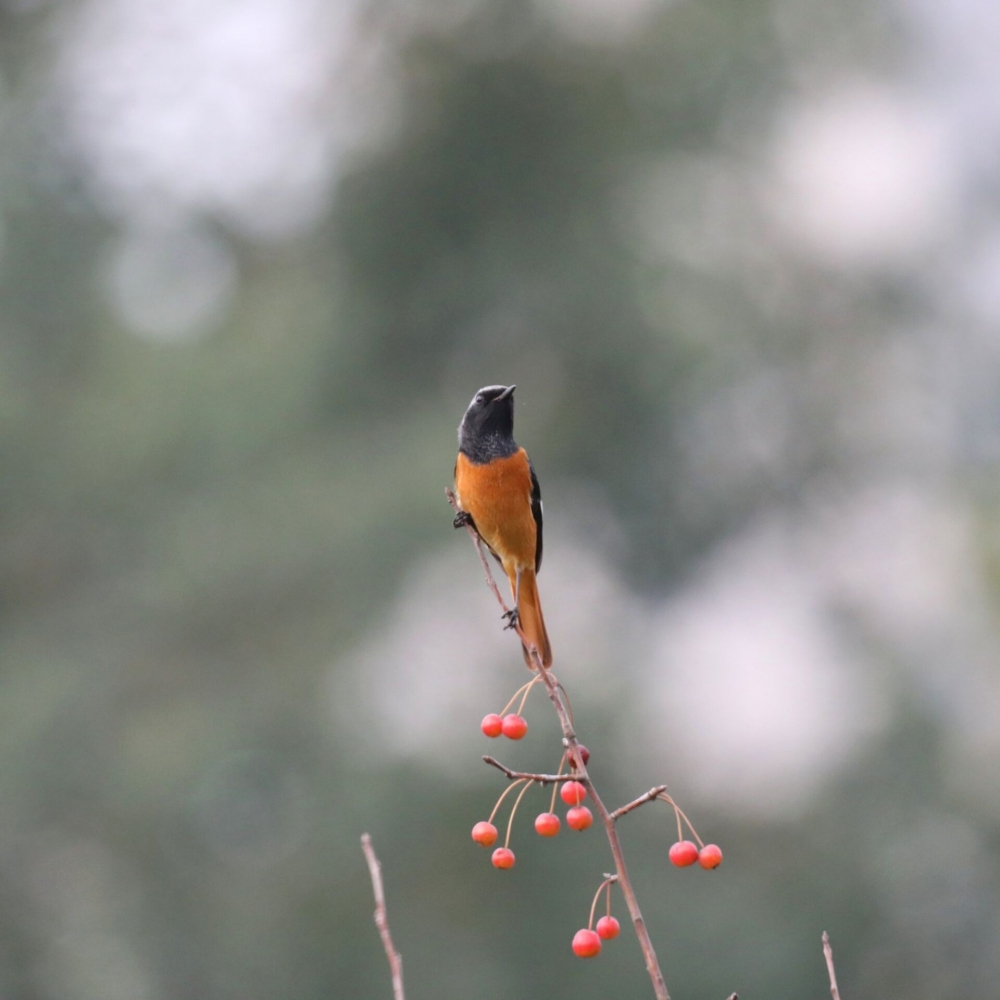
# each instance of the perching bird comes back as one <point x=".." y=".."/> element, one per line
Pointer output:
<point x="498" y="493"/>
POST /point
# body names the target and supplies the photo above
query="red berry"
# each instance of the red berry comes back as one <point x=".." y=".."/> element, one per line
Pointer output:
<point x="683" y="853"/>
<point x="572" y="793"/>
<point x="579" y="817"/>
<point x="492" y="725"/>
<point x="584" y="754"/>
<point x="547" y="824"/>
<point x="503" y="857"/>
<point x="513" y="726"/>
<point x="608" y="928"/>
<point x="710" y="856"/>
<point x="484" y="833"/>
<point x="586" y="944"/>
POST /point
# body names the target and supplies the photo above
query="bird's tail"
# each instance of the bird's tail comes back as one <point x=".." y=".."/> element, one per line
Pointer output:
<point x="532" y="623"/>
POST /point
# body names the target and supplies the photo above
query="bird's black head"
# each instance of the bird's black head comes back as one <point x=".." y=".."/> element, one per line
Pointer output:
<point x="487" y="429"/>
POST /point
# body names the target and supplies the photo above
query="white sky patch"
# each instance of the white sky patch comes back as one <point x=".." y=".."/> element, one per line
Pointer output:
<point x="957" y="44"/>
<point x="902" y="558"/>
<point x="748" y="679"/>
<point x="864" y="177"/>
<point x="908" y="563"/>
<point x="171" y="284"/>
<point x="976" y="285"/>
<point x="437" y="663"/>
<point x="599" y="20"/>
<point x="230" y="107"/>
<point x="698" y="208"/>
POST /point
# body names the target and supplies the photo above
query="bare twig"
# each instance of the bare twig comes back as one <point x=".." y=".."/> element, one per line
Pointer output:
<point x="541" y="779"/>
<point x="381" y="920"/>
<point x="828" y="955"/>
<point x="573" y="749"/>
<point x="641" y="801"/>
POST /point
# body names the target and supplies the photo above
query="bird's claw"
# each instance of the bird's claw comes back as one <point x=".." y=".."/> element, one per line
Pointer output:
<point x="463" y="519"/>
<point x="513" y="618"/>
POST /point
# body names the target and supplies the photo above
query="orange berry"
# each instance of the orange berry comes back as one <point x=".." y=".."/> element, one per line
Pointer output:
<point x="683" y="853"/>
<point x="608" y="928"/>
<point x="710" y="856"/>
<point x="484" y="833"/>
<point x="514" y="726"/>
<point x="586" y="943"/>
<point x="492" y="725"/>
<point x="579" y="817"/>
<point x="503" y="857"/>
<point x="572" y="793"/>
<point x="547" y="824"/>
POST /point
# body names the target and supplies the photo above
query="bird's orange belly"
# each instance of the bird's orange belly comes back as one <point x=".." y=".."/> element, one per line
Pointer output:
<point x="498" y="496"/>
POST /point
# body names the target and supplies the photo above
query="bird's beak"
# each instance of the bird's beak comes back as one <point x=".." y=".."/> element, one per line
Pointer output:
<point x="507" y="392"/>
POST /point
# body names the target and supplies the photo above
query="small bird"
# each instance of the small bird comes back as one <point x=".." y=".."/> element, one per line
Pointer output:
<point x="498" y="494"/>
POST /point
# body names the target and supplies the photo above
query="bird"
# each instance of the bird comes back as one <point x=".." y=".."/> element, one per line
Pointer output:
<point x="499" y="496"/>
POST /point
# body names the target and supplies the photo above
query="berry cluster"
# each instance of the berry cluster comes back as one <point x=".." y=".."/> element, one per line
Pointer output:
<point x="684" y="853"/>
<point x="506" y="723"/>
<point x="547" y="824"/>
<point x="512" y="726"/>
<point x="587" y="940"/>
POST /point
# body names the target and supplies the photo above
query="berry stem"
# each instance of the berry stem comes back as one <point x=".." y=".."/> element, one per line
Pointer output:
<point x="565" y="694"/>
<point x="523" y="689"/>
<point x="606" y="884"/>
<point x="503" y="795"/>
<point x="527" y="690"/>
<point x="680" y="814"/>
<point x="555" y="787"/>
<point x="517" y="802"/>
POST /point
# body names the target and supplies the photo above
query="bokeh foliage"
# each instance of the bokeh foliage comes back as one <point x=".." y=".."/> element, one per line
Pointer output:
<point x="196" y="534"/>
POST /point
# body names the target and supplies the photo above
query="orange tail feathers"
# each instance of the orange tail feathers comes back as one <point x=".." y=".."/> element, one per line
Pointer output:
<point x="532" y="623"/>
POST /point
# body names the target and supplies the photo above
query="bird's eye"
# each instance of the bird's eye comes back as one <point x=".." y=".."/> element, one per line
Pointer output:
<point x="479" y="397"/>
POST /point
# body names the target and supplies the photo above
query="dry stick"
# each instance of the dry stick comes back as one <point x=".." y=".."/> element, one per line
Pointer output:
<point x="573" y="748"/>
<point x="381" y="920"/>
<point x="828" y="955"/>
<point x="541" y="779"/>
<point x="641" y="801"/>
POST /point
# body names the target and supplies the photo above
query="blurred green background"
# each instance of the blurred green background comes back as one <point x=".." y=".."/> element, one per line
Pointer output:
<point x="742" y="259"/>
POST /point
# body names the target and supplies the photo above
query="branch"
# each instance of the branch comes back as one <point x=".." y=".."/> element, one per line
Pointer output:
<point x="381" y="920"/>
<point x="573" y="749"/>
<point x="828" y="955"/>
<point x="641" y="801"/>
<point x="541" y="779"/>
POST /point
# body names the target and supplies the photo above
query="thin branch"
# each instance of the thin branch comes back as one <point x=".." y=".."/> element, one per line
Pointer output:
<point x="381" y="920"/>
<point x="573" y="749"/>
<point x="641" y="801"/>
<point x="541" y="779"/>
<point x="828" y="955"/>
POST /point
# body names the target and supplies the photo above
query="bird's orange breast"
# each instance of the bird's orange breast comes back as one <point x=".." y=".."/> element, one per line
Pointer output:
<point x="498" y="496"/>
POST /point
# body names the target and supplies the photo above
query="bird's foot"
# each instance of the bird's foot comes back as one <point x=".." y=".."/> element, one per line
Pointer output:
<point x="463" y="519"/>
<point x="513" y="618"/>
